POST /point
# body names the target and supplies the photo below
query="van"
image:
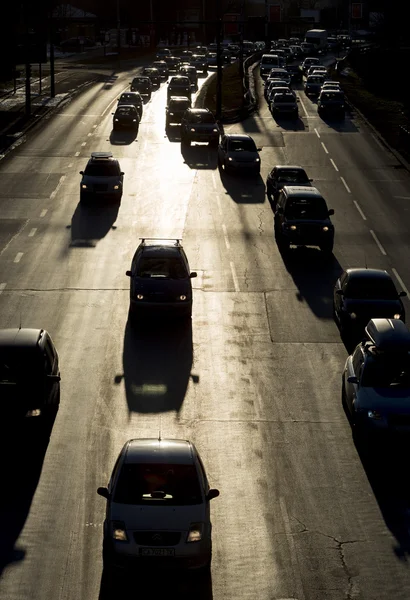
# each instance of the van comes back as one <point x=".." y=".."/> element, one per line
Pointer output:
<point x="268" y="62"/>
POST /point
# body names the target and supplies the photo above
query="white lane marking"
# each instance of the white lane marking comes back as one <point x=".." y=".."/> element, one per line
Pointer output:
<point x="54" y="193"/>
<point x="2" y="287"/>
<point x="304" y="107"/>
<point x="89" y="134"/>
<point x="234" y="277"/>
<point x="218" y="201"/>
<point x="113" y="101"/>
<point x="324" y="148"/>
<point x="378" y="142"/>
<point x="334" y="164"/>
<point x="19" y="256"/>
<point x="360" y="210"/>
<point x="77" y="154"/>
<point x="345" y="184"/>
<point x="402" y="197"/>
<point x="299" y="593"/>
<point x="380" y="247"/>
<point x="227" y="244"/>
<point x="317" y="133"/>
<point x="214" y="181"/>
<point x="70" y="165"/>
<point x="400" y="280"/>
<point x="32" y="232"/>
<point x="94" y="126"/>
<point x="43" y="212"/>
<point x="84" y="143"/>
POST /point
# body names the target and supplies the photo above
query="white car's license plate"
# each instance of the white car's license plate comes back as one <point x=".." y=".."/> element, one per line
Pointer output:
<point x="157" y="552"/>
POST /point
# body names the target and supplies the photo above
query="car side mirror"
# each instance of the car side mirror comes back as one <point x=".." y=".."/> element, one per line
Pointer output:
<point x="331" y="212"/>
<point x="402" y="294"/>
<point x="310" y="180"/>
<point x="128" y="273"/>
<point x="213" y="493"/>
<point x="259" y="149"/>
<point x="103" y="491"/>
<point x="352" y="379"/>
<point x="54" y="378"/>
<point x="112" y="113"/>
<point x="81" y="172"/>
<point x="193" y="274"/>
<point x="122" y="173"/>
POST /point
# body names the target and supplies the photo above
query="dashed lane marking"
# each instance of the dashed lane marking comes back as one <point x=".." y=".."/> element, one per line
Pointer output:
<point x="334" y="164"/>
<point x="380" y="247"/>
<point x="360" y="210"/>
<point x="54" y="192"/>
<point x="317" y="133"/>
<point x="227" y="244"/>
<point x="400" y="280"/>
<point x="43" y="212"/>
<point x="32" y="232"/>
<point x="84" y="143"/>
<point x="234" y="277"/>
<point x="77" y="154"/>
<point x="303" y="106"/>
<point x="2" y="287"/>
<point x="218" y="201"/>
<point x="324" y="148"/>
<point x="18" y="257"/>
<point x="348" y="190"/>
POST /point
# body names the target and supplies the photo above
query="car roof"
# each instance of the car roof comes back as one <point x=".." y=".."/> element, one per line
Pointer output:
<point x="199" y="110"/>
<point x="361" y="272"/>
<point x="289" y="167"/>
<point x="301" y="190"/>
<point x="159" y="451"/>
<point x="388" y="334"/>
<point x="238" y="136"/>
<point x="19" y="338"/>
<point x="183" y="99"/>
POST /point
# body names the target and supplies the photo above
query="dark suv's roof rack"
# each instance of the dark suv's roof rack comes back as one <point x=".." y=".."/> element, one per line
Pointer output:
<point x="177" y="240"/>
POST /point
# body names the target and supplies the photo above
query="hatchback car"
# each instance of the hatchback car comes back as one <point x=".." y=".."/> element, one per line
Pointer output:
<point x="284" y="105"/>
<point x="190" y="72"/>
<point x="101" y="179"/>
<point x="162" y="53"/>
<point x="279" y="90"/>
<point x="162" y="67"/>
<point x="160" y="279"/>
<point x="177" y="106"/>
<point x="179" y="85"/>
<point x="285" y="175"/>
<point x="133" y="98"/>
<point x="376" y="382"/>
<point x="362" y="294"/>
<point x="302" y="219"/>
<point x="154" y="75"/>
<point x="313" y="85"/>
<point x="125" y="117"/>
<point x="142" y="85"/>
<point x="173" y="63"/>
<point x="199" y="125"/>
<point x="158" y="507"/>
<point x="238" y="152"/>
<point x="29" y="377"/>
<point x="331" y="103"/>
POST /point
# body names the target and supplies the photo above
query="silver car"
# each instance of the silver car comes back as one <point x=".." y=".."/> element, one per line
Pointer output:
<point x="158" y="511"/>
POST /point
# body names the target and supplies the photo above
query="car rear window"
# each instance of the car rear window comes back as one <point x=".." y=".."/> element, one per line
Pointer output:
<point x="126" y="110"/>
<point x="165" y="267"/>
<point x="284" y="98"/>
<point x="292" y="176"/>
<point x="201" y="118"/>
<point x="158" y="484"/>
<point x="102" y="169"/>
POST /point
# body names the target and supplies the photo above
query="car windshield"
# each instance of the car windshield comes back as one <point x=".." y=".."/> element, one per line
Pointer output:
<point x="284" y="98"/>
<point x="130" y="98"/>
<point x="19" y="366"/>
<point x="102" y="169"/>
<point x="367" y="288"/>
<point x="201" y="118"/>
<point x="244" y="145"/>
<point x="125" y="110"/>
<point x="143" y="82"/>
<point x="315" y="79"/>
<point x="332" y="96"/>
<point x="296" y="176"/>
<point x="171" y="484"/>
<point x="162" y="267"/>
<point x="387" y="370"/>
<point x="301" y="208"/>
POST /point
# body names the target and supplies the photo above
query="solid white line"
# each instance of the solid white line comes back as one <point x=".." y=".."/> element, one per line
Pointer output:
<point x="70" y="165"/>
<point x="234" y="277"/>
<point x="325" y="149"/>
<point x="317" y="133"/>
<point x="77" y="154"/>
<point x="84" y="143"/>
<point x="346" y="186"/>
<point x="303" y="106"/>
<point x="32" y="232"/>
<point x="402" y="197"/>
<point x="214" y="181"/>
<point x="227" y="244"/>
<point x="374" y="236"/>
<point x="218" y="201"/>
<point x="113" y="101"/>
<point x="334" y="164"/>
<point x="299" y="593"/>
<point x="360" y="210"/>
<point x="378" y="142"/>
<point x="2" y="286"/>
<point x="54" y="193"/>
<point x="400" y="280"/>
<point x="43" y="212"/>
<point x="19" y="256"/>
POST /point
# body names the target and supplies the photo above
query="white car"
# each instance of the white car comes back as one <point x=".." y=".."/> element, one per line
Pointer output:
<point x="158" y="511"/>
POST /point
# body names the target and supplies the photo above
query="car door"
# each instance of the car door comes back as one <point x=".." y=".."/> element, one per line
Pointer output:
<point x="221" y="149"/>
<point x="338" y="293"/>
<point x="354" y="368"/>
<point x="279" y="210"/>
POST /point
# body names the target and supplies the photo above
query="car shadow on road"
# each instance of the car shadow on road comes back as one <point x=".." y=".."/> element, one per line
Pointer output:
<point x="314" y="274"/>
<point x="199" y="156"/>
<point x="157" y="362"/>
<point x="345" y="125"/>
<point x="123" y="138"/>
<point x="243" y="189"/>
<point x="290" y="124"/>
<point x="386" y="467"/>
<point x="21" y="464"/>
<point x="157" y="585"/>
<point x="89" y="224"/>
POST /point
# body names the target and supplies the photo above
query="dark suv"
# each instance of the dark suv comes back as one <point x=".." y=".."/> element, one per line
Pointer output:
<point x="302" y="219"/>
<point x="177" y="105"/>
<point x="160" y="279"/>
<point x="29" y="376"/>
<point x="179" y="85"/>
<point x="142" y="85"/>
<point x="102" y="178"/>
<point x="199" y="125"/>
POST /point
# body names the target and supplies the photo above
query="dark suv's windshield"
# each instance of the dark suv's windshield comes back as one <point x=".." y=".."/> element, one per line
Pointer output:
<point x="103" y="169"/>
<point x="296" y="176"/>
<point x="306" y="209"/>
<point x="201" y="118"/>
<point x="162" y="267"/>
<point x="172" y="484"/>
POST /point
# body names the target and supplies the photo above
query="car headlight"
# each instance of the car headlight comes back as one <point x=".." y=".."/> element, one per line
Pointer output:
<point x="293" y="227"/>
<point x="118" y="531"/>
<point x="215" y="130"/>
<point x="397" y="316"/>
<point x="192" y="129"/>
<point x="134" y="120"/>
<point x="257" y="159"/>
<point x="171" y="114"/>
<point x="182" y="297"/>
<point x="116" y="187"/>
<point x="353" y="315"/>
<point x="325" y="228"/>
<point x="230" y="158"/>
<point x="374" y="414"/>
<point x="83" y="186"/>
<point x="115" y="119"/>
<point x="140" y="297"/>
<point x="196" y="531"/>
<point x="36" y="412"/>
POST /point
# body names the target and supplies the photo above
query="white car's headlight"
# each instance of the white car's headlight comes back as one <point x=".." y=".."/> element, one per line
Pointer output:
<point x="83" y="186"/>
<point x="116" y="187"/>
<point x="257" y="159"/>
<point x="293" y="227"/>
<point x="214" y="130"/>
<point x="196" y="532"/>
<point x="115" y="119"/>
<point x="118" y="531"/>
<point x="230" y="158"/>
<point x="374" y="414"/>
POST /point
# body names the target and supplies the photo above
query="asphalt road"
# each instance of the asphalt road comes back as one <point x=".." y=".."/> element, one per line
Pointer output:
<point x="256" y="382"/>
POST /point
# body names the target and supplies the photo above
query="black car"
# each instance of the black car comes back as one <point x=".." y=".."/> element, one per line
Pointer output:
<point x="29" y="377"/>
<point x="199" y="125"/>
<point x="160" y="279"/>
<point x="125" y="117"/>
<point x="285" y="175"/>
<point x="162" y="67"/>
<point x="179" y="85"/>
<point x="102" y="178"/>
<point x="295" y="73"/>
<point x="177" y="106"/>
<point x="173" y="63"/>
<point x="284" y="105"/>
<point x="142" y="85"/>
<point x="331" y="103"/>
<point x="200" y="63"/>
<point x="302" y="219"/>
<point x="154" y="75"/>
<point x="133" y="98"/>
<point x="363" y="294"/>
